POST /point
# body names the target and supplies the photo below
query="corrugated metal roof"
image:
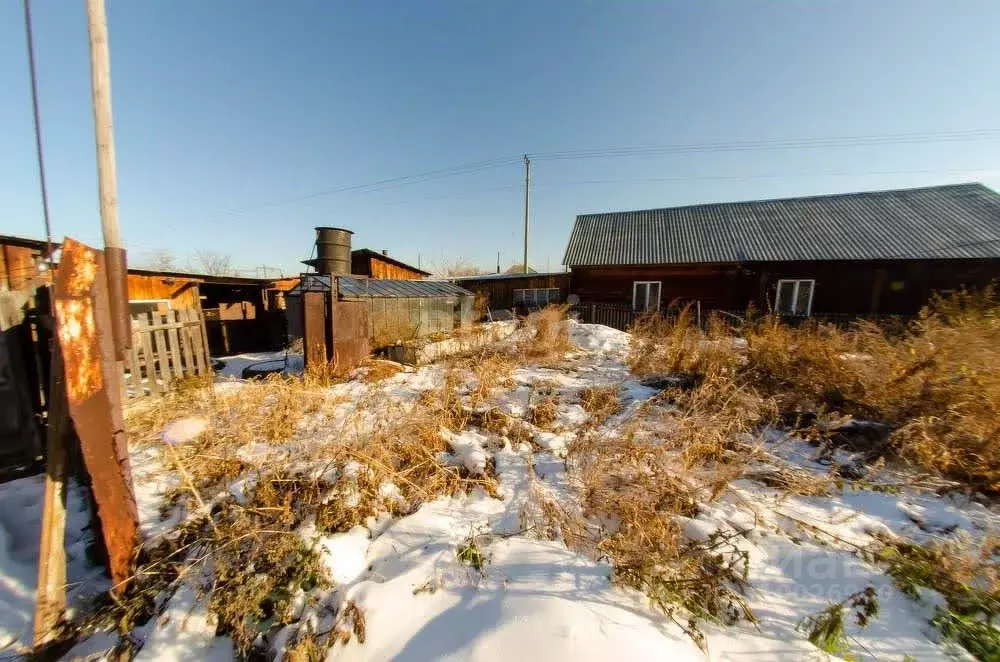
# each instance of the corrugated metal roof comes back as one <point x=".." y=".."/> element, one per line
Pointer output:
<point x="956" y="221"/>
<point x="360" y="288"/>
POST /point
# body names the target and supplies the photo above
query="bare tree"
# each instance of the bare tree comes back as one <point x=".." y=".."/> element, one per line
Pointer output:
<point x="161" y="260"/>
<point x="214" y="264"/>
<point x="454" y="268"/>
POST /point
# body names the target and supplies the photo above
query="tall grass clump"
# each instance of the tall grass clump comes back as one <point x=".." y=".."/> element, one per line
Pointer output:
<point x="934" y="382"/>
<point x="674" y="344"/>
<point x="548" y="337"/>
<point x="947" y="394"/>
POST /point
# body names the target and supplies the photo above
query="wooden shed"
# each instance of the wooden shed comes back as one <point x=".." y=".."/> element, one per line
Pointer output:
<point x="517" y="291"/>
<point x="368" y="263"/>
<point x="397" y="310"/>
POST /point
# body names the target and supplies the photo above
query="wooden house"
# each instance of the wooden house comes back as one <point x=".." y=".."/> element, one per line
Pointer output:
<point x="855" y="254"/>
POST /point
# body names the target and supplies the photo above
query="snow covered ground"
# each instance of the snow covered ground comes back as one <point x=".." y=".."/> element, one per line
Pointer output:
<point x="525" y="595"/>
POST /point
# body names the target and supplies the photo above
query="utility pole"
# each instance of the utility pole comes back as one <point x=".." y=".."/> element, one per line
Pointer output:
<point x="527" y="190"/>
<point x="114" y="251"/>
<point x="498" y="261"/>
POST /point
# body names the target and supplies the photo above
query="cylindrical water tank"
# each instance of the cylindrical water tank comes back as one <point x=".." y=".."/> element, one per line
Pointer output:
<point x="333" y="251"/>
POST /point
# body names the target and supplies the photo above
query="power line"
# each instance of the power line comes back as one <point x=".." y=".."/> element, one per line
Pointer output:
<point x="38" y="128"/>
<point x="692" y="178"/>
<point x="682" y="179"/>
<point x="405" y="180"/>
<point x="638" y="151"/>
<point x="759" y="145"/>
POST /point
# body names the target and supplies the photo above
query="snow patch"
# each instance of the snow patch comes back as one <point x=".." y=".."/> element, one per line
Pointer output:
<point x="599" y="338"/>
<point x="344" y="554"/>
<point x="467" y="447"/>
<point x="184" y="429"/>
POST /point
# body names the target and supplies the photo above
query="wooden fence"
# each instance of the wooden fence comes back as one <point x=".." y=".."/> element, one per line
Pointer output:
<point x="622" y="317"/>
<point x="166" y="347"/>
<point x="617" y="317"/>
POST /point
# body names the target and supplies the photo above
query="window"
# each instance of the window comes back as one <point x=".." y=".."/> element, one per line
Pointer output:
<point x="646" y="295"/>
<point x="795" y="297"/>
<point x="539" y="297"/>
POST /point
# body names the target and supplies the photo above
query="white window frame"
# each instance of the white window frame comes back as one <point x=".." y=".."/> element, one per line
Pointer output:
<point x="795" y="295"/>
<point x="647" y="283"/>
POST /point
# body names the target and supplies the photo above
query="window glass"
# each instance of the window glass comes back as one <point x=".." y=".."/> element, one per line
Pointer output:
<point x="802" y="297"/>
<point x="786" y="294"/>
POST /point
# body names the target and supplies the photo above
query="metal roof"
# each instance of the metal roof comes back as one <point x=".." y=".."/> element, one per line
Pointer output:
<point x="955" y="221"/>
<point x="362" y="288"/>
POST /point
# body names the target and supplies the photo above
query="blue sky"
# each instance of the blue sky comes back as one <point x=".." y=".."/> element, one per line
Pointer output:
<point x="231" y="116"/>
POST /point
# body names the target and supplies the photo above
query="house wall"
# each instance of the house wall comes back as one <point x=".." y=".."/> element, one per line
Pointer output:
<point x="716" y="286"/>
<point x="499" y="292"/>
<point x="182" y="293"/>
<point x="17" y="265"/>
<point x="371" y="266"/>
<point x="889" y="287"/>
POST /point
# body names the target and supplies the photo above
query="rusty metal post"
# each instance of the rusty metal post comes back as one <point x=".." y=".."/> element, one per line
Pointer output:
<point x="84" y="329"/>
<point x="314" y="328"/>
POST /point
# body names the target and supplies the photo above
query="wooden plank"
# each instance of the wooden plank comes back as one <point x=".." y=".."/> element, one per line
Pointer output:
<point x="148" y="358"/>
<point x="162" y="356"/>
<point x="199" y="341"/>
<point x="187" y="349"/>
<point x="50" y="601"/>
<point x="191" y="358"/>
<point x="135" y="369"/>
<point x="204" y="339"/>
<point x="175" y="345"/>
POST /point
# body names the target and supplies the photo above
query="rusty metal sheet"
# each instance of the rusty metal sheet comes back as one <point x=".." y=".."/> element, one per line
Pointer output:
<point x="314" y="328"/>
<point x="350" y="333"/>
<point x="86" y="338"/>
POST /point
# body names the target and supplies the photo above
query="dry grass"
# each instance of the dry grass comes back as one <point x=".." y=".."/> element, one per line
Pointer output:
<point x="544" y="411"/>
<point x="492" y="370"/>
<point x="253" y="549"/>
<point x="935" y="382"/>
<point x="548" y="339"/>
<point x="673" y="344"/>
<point x="637" y="485"/>
<point x="376" y="370"/>
<point x="601" y="402"/>
<point x="712" y="419"/>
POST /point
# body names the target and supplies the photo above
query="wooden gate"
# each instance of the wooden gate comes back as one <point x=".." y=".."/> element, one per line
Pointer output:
<point x="166" y="347"/>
